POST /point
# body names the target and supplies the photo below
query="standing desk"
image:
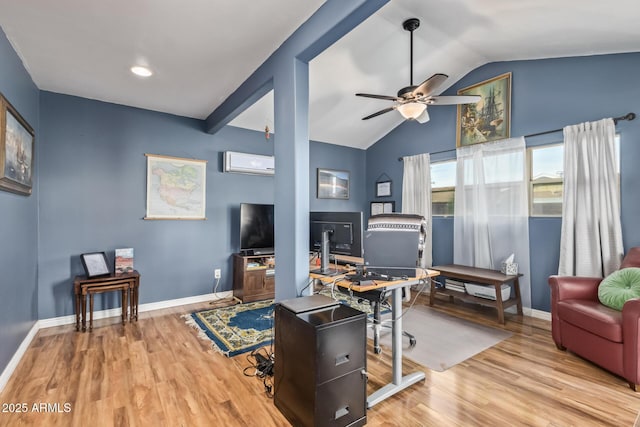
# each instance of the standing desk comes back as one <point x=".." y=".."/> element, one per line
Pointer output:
<point x="398" y="382"/>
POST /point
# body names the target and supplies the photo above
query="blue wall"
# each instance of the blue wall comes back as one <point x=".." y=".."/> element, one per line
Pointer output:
<point x="546" y="94"/>
<point x="92" y="198"/>
<point x="18" y="219"/>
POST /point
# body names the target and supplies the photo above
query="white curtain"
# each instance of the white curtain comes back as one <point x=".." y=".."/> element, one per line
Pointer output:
<point x="591" y="237"/>
<point x="416" y="196"/>
<point x="491" y="217"/>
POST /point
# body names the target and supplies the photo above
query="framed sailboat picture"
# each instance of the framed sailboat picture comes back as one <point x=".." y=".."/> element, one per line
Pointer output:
<point x="490" y="118"/>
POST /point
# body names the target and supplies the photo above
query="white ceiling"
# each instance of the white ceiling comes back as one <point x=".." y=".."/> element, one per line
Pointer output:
<point x="202" y="50"/>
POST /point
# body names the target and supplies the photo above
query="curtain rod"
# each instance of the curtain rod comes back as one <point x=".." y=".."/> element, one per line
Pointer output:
<point x="628" y="116"/>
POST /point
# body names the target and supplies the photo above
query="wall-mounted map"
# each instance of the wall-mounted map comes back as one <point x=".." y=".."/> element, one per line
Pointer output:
<point x="175" y="188"/>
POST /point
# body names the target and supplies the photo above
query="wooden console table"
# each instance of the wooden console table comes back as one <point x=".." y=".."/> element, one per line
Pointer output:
<point x="126" y="283"/>
<point x="482" y="276"/>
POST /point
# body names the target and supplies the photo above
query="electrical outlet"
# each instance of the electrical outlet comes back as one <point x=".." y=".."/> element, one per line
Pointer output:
<point x="217" y="273"/>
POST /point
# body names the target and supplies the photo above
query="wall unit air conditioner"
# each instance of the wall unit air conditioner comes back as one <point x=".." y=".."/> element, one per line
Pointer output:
<point x="255" y="164"/>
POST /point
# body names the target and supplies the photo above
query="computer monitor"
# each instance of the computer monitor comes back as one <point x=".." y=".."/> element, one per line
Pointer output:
<point x="393" y="244"/>
<point x="335" y="233"/>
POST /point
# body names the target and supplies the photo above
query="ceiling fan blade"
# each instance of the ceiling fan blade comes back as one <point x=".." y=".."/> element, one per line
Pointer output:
<point x="387" y="97"/>
<point x="427" y="87"/>
<point x="377" y="113"/>
<point x="453" y="100"/>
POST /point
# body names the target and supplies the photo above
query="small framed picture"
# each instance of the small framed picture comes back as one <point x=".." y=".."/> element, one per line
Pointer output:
<point x="333" y="184"/>
<point x="383" y="189"/>
<point x="95" y="264"/>
<point x="382" y="207"/>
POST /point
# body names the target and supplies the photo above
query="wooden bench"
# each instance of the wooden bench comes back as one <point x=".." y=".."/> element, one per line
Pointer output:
<point x="492" y="278"/>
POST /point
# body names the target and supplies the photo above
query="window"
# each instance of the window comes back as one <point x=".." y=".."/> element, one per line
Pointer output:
<point x="443" y="185"/>
<point x="546" y="169"/>
<point x="545" y="183"/>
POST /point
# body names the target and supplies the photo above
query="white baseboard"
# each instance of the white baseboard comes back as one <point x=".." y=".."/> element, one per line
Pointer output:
<point x="112" y="312"/>
<point x="102" y="314"/>
<point x="538" y="314"/>
<point x="13" y="363"/>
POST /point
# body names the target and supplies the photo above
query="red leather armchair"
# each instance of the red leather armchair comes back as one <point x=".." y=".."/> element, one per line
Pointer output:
<point x="606" y="337"/>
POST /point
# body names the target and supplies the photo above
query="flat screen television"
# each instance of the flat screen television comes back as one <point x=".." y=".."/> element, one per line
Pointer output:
<point x="256" y="229"/>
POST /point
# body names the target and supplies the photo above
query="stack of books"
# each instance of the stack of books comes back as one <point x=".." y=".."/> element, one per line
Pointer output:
<point x="454" y="285"/>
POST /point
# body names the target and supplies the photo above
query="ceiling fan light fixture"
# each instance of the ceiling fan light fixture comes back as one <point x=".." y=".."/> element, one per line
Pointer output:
<point x="411" y="110"/>
<point x="424" y="117"/>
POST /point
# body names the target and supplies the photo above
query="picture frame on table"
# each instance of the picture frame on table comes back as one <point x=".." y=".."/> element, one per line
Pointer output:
<point x="333" y="184"/>
<point x="16" y="150"/>
<point x="490" y="118"/>
<point x="95" y="264"/>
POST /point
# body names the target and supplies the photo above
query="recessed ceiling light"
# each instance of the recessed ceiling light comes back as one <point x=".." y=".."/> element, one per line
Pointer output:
<point x="141" y="71"/>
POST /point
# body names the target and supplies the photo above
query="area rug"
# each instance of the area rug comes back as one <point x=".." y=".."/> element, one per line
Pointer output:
<point x="245" y="327"/>
<point x="236" y="329"/>
<point x="442" y="341"/>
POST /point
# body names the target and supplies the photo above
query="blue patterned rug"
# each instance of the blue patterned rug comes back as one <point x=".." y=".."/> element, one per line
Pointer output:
<point x="245" y="327"/>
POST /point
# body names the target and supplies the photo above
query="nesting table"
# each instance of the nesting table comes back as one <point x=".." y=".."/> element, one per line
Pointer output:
<point x="127" y="283"/>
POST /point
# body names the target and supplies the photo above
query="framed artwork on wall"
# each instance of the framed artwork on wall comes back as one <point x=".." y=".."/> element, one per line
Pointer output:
<point x="176" y="188"/>
<point x="333" y="184"/>
<point x="16" y="150"/>
<point x="490" y="118"/>
<point x="383" y="188"/>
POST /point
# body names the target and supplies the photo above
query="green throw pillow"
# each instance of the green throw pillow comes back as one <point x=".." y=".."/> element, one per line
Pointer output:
<point x="619" y="287"/>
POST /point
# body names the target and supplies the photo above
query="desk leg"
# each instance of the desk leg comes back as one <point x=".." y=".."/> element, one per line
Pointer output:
<point x="516" y="285"/>
<point x="124" y="304"/>
<point x="137" y="288"/>
<point x="131" y="298"/>
<point x="84" y="312"/>
<point x="77" y="311"/>
<point x="90" y="311"/>
<point x="499" y="305"/>
<point x="399" y="382"/>
<point x="432" y="292"/>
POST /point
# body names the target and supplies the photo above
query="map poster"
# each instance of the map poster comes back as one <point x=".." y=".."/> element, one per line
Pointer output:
<point x="175" y="188"/>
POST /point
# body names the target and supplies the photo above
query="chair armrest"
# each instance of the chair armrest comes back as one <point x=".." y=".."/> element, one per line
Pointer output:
<point x="631" y="340"/>
<point x="570" y="287"/>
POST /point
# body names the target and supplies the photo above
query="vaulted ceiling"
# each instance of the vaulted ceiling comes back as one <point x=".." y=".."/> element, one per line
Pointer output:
<point x="200" y="51"/>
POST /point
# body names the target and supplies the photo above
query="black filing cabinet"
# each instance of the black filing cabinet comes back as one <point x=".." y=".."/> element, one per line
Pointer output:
<point x="320" y="363"/>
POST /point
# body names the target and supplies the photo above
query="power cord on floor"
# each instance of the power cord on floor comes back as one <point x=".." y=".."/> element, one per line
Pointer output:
<point x="262" y="366"/>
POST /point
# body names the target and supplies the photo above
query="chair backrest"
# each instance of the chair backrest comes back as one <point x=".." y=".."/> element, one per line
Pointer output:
<point x="632" y="259"/>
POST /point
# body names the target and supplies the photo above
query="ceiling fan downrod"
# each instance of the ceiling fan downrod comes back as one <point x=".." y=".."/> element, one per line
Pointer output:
<point x="410" y="25"/>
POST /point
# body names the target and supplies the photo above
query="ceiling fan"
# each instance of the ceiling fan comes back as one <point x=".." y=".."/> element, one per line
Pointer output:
<point x="412" y="101"/>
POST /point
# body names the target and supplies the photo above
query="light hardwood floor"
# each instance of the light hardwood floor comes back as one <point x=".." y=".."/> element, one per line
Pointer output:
<point x="159" y="373"/>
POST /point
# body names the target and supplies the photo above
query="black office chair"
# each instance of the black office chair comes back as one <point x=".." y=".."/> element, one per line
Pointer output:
<point x="378" y="298"/>
<point x="397" y="242"/>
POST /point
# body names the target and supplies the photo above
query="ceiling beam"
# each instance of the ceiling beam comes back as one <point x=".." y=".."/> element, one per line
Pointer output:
<point x="329" y="23"/>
